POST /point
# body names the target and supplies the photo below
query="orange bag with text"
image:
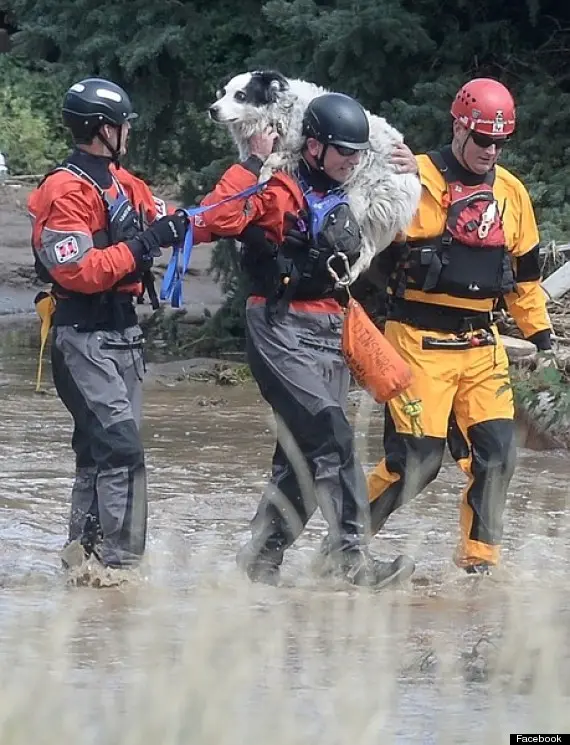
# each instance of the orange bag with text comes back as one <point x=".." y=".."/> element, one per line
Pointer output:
<point x="374" y="363"/>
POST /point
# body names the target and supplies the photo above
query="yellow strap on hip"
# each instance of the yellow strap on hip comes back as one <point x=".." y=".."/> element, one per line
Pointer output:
<point x="45" y="308"/>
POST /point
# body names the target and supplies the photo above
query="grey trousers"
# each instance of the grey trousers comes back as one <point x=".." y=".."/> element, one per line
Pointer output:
<point x="98" y="376"/>
<point x="301" y="373"/>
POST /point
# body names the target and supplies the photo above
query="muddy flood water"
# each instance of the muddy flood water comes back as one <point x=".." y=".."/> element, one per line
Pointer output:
<point x="189" y="653"/>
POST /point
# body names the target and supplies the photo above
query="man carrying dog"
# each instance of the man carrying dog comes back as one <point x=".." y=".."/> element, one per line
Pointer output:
<point x="293" y="326"/>
<point x="473" y="243"/>
<point x="91" y="243"/>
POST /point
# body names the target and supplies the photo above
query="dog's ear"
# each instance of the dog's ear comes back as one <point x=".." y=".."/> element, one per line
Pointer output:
<point x="275" y="87"/>
<point x="273" y="83"/>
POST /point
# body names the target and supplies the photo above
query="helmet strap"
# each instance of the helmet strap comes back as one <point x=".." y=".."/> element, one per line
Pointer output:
<point x="464" y="146"/>
<point x="320" y="161"/>
<point x="115" y="152"/>
<point x="461" y="157"/>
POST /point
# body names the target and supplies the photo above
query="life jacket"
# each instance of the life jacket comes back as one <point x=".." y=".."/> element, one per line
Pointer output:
<point x="470" y="259"/>
<point x="123" y="223"/>
<point x="331" y="223"/>
<point x="112" y="309"/>
<point x="333" y="243"/>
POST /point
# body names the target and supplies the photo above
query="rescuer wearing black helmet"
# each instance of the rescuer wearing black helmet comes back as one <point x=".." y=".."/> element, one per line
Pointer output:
<point x="92" y="103"/>
<point x="338" y="120"/>
<point x="96" y="229"/>
<point x="293" y="337"/>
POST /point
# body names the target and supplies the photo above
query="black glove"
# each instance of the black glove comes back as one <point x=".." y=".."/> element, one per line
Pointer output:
<point x="254" y="238"/>
<point x="297" y="239"/>
<point x="293" y="236"/>
<point x="542" y="340"/>
<point x="167" y="231"/>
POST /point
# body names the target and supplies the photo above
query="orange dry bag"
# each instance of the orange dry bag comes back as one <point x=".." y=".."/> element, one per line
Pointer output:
<point x="374" y="363"/>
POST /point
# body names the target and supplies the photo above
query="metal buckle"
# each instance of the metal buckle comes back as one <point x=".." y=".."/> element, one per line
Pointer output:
<point x="345" y="281"/>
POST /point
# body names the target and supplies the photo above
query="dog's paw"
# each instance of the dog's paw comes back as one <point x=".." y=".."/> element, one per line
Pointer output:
<point x="359" y="266"/>
<point x="264" y="175"/>
<point x="367" y="253"/>
<point x="275" y="162"/>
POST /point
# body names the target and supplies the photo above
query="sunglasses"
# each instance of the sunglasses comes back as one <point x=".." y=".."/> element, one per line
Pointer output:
<point x="482" y="140"/>
<point x="346" y="152"/>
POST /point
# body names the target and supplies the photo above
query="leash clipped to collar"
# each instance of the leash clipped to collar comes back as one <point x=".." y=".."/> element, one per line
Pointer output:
<point x="171" y="287"/>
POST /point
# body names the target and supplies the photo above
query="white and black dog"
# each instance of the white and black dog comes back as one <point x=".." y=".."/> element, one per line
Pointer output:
<point x="382" y="200"/>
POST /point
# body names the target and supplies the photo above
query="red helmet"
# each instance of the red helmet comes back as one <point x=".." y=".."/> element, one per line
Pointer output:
<point x="485" y="105"/>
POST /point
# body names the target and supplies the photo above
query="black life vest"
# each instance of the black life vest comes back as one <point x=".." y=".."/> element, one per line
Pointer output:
<point x="112" y="308"/>
<point x="301" y="272"/>
<point x="470" y="259"/>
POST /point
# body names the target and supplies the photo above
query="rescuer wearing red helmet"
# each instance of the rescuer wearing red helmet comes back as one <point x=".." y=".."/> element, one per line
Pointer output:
<point x="485" y="114"/>
<point x="472" y="244"/>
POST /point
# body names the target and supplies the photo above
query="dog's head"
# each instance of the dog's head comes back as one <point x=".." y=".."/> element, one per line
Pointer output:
<point x="244" y="97"/>
<point x="252" y="101"/>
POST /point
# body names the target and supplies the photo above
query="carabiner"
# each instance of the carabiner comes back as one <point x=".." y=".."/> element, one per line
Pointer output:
<point x="345" y="281"/>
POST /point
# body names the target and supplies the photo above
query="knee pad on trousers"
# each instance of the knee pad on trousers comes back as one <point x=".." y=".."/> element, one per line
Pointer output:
<point x="120" y="446"/>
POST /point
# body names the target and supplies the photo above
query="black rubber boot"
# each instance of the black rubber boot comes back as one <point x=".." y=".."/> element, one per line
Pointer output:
<point x="360" y="568"/>
<point x="260" y="565"/>
<point x="482" y="570"/>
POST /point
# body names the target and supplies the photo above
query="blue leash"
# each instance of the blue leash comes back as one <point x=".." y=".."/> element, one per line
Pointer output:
<point x="171" y="287"/>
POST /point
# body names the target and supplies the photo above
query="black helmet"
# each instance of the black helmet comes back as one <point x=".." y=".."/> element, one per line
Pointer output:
<point x="336" y="119"/>
<point x="93" y="102"/>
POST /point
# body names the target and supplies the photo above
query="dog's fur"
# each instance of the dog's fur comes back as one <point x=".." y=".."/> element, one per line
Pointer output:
<point x="382" y="200"/>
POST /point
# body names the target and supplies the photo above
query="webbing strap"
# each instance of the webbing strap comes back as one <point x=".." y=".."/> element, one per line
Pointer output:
<point x="171" y="287"/>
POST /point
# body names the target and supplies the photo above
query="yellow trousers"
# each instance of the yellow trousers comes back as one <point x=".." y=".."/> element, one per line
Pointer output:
<point x="467" y="400"/>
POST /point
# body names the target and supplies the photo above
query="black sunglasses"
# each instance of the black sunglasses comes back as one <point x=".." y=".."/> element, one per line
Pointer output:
<point x="482" y="140"/>
<point x="346" y="152"/>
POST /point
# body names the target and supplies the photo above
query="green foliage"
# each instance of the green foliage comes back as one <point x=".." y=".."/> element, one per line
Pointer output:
<point x="530" y="382"/>
<point x="29" y="137"/>
<point x="347" y="46"/>
<point x="168" y="55"/>
<point x="225" y="330"/>
<point x="404" y="59"/>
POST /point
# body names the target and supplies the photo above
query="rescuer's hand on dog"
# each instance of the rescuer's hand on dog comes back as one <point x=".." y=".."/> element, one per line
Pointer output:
<point x="262" y="143"/>
<point x="403" y="158"/>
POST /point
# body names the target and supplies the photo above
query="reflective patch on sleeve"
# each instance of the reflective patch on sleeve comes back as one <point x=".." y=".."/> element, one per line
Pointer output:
<point x="66" y="250"/>
<point x="160" y="206"/>
<point x="59" y="248"/>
